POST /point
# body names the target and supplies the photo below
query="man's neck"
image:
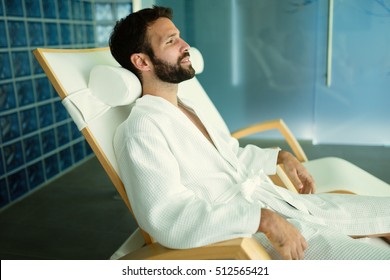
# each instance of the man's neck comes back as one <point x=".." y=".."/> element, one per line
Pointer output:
<point x="164" y="90"/>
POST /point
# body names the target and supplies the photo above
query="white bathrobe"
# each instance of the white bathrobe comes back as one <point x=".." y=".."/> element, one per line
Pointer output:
<point x="186" y="192"/>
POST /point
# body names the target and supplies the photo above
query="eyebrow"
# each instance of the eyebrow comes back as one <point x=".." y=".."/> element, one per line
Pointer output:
<point x="173" y="34"/>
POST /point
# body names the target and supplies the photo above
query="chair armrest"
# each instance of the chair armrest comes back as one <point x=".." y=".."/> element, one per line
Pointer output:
<point x="280" y="125"/>
<point x="237" y="249"/>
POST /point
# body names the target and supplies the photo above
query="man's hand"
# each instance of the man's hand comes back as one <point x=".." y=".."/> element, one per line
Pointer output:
<point x="284" y="237"/>
<point x="299" y="176"/>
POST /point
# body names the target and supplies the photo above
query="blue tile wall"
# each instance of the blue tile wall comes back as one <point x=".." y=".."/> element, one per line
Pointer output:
<point x="7" y="97"/>
<point x="66" y="34"/>
<point x="29" y="121"/>
<point x="35" y="174"/>
<point x="66" y="159"/>
<point x="38" y="140"/>
<point x="1" y="164"/>
<point x="17" y="33"/>
<point x="33" y="9"/>
<point x="64" y="9"/>
<point x="5" y="70"/>
<point x="4" y="194"/>
<point x="45" y="115"/>
<point x="51" y="166"/>
<point x="63" y="136"/>
<point x="13" y="155"/>
<point x="24" y="92"/>
<point x="32" y="148"/>
<point x="21" y="63"/>
<point x="3" y="39"/>
<point x="49" y="9"/>
<point x="9" y="125"/>
<point x="35" y="31"/>
<point x="14" y="7"/>
<point x="17" y="184"/>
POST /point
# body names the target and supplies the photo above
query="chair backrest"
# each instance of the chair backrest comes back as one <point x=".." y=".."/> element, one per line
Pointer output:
<point x="98" y="94"/>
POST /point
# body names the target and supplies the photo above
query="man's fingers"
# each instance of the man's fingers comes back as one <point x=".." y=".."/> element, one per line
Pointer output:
<point x="302" y="249"/>
<point x="293" y="253"/>
<point x="308" y="184"/>
<point x="293" y="250"/>
<point x="293" y="175"/>
<point x="300" y="254"/>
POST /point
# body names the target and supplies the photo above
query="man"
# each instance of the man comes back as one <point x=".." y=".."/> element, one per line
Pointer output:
<point x="190" y="184"/>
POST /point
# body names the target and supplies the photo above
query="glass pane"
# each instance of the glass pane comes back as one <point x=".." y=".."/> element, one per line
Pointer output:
<point x="260" y="57"/>
<point x="355" y="108"/>
<point x="103" y="12"/>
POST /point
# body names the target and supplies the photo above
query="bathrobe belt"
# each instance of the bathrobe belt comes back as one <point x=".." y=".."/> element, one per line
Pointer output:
<point x="255" y="183"/>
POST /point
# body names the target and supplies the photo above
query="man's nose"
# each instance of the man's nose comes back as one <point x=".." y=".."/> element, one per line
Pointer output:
<point x="185" y="47"/>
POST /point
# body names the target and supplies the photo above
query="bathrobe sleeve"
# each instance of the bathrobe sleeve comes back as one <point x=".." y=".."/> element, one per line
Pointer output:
<point x="252" y="157"/>
<point x="168" y="210"/>
<point x="256" y="159"/>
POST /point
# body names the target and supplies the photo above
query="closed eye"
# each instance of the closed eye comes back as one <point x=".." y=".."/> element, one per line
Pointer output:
<point x="172" y="38"/>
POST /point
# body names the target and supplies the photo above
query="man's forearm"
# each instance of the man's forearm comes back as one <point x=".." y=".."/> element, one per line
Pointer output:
<point x="282" y="155"/>
<point x="265" y="220"/>
<point x="284" y="237"/>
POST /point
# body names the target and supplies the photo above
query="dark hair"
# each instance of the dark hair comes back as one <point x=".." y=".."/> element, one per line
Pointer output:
<point x="129" y="35"/>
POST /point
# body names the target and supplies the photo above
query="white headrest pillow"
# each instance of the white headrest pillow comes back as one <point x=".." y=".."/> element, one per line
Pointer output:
<point x="113" y="85"/>
<point x="196" y="60"/>
<point x="116" y="86"/>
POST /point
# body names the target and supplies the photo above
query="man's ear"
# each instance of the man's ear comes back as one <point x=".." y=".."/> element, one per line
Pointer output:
<point x="140" y="61"/>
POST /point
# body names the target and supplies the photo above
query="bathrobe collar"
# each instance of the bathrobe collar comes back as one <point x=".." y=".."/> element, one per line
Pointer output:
<point x="219" y="146"/>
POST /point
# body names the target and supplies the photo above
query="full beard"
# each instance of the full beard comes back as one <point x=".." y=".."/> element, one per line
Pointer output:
<point x="172" y="73"/>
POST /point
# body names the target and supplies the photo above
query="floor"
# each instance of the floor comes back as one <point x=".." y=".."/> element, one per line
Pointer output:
<point x="79" y="216"/>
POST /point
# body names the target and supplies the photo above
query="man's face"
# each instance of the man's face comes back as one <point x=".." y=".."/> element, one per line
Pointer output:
<point x="170" y="56"/>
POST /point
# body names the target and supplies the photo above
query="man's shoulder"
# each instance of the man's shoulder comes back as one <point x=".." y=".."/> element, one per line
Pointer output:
<point x="143" y="118"/>
<point x="136" y="126"/>
<point x="139" y="120"/>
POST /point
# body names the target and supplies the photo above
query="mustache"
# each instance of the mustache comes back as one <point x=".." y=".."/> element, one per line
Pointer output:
<point x="184" y="56"/>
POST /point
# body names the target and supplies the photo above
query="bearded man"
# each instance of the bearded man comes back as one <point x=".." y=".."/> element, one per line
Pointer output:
<point x="190" y="184"/>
